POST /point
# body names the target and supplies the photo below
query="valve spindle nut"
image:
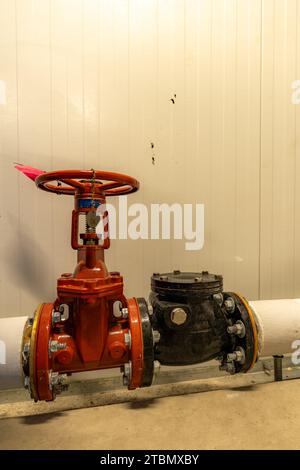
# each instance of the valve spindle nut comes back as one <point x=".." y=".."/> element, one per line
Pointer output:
<point x="229" y="305"/>
<point x="178" y="316"/>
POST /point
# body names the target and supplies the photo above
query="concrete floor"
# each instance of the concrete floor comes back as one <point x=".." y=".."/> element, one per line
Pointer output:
<point x="260" y="417"/>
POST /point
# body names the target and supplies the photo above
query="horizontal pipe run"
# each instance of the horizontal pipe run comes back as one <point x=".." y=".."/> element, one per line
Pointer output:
<point x="278" y="323"/>
<point x="11" y="334"/>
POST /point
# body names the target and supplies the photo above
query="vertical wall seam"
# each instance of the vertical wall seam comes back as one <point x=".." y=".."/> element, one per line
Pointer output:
<point x="295" y="163"/>
<point x="83" y="82"/>
<point x="260" y="151"/>
<point x="51" y="130"/>
<point x="18" y="141"/>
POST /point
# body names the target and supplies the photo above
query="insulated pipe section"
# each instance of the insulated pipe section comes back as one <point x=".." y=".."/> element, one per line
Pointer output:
<point x="11" y="336"/>
<point x="278" y="324"/>
<point x="277" y="321"/>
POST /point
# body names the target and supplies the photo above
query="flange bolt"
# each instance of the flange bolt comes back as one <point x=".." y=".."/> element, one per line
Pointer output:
<point x="118" y="311"/>
<point x="229" y="305"/>
<point x="56" y="316"/>
<point x="127" y="373"/>
<point x="237" y="329"/>
<point x="55" y="346"/>
<point x="228" y="367"/>
<point x="178" y="316"/>
<point x="238" y="355"/>
<point x="124" y="312"/>
<point x="58" y="382"/>
<point x="156" y="336"/>
<point x="127" y="339"/>
<point x="218" y="298"/>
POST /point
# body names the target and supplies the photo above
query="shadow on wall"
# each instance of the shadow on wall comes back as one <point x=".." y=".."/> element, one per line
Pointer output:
<point x="21" y="259"/>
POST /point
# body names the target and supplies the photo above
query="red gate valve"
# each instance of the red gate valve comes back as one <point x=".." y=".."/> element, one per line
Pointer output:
<point x="91" y="325"/>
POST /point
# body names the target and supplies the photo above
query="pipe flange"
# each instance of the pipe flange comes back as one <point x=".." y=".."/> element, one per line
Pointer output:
<point x="246" y="343"/>
<point x="28" y="352"/>
<point x="148" y="343"/>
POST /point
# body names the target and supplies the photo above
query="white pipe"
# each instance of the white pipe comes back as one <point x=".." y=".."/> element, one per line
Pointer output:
<point x="11" y="334"/>
<point x="278" y="323"/>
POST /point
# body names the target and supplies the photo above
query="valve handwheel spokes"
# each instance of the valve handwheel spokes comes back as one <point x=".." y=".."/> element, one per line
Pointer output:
<point x="77" y="181"/>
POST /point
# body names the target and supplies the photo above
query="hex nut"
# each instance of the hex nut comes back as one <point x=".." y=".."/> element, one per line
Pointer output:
<point x="237" y="329"/>
<point x="156" y="371"/>
<point x="218" y="298"/>
<point x="127" y="339"/>
<point x="229" y="305"/>
<point x="117" y="309"/>
<point x="56" y="316"/>
<point x="178" y="316"/>
<point x="156" y="336"/>
<point x="124" y="312"/>
<point x="127" y="373"/>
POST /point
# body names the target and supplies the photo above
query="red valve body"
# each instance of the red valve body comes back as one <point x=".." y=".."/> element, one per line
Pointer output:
<point x="91" y="337"/>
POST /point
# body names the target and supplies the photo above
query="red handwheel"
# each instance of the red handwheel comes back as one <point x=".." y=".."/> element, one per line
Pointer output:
<point x="72" y="182"/>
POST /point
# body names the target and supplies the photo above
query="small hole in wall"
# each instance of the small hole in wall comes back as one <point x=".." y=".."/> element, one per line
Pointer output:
<point x="153" y="154"/>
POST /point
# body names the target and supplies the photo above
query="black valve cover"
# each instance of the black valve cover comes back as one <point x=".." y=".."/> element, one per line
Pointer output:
<point x="188" y="313"/>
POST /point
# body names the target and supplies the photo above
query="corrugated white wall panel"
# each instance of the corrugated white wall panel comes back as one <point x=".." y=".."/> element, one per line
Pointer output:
<point x="280" y="171"/>
<point x="91" y="83"/>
